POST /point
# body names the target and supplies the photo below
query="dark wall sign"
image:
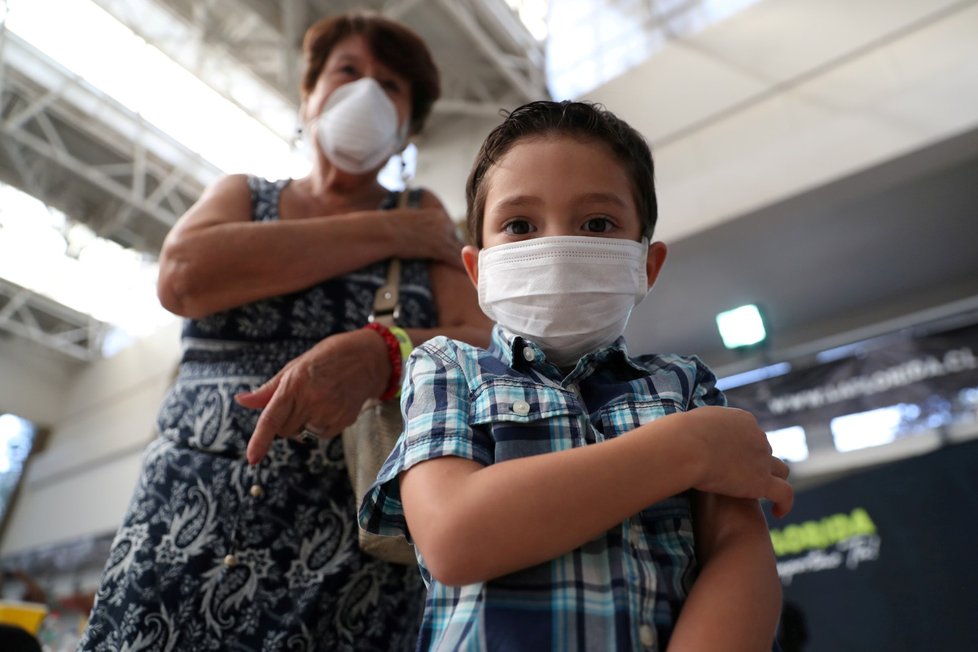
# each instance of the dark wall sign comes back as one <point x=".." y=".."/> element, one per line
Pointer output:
<point x="886" y="559"/>
<point x="928" y="372"/>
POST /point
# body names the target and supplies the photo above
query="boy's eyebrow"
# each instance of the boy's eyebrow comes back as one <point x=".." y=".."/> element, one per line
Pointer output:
<point x="517" y="201"/>
<point x="347" y="56"/>
<point x="601" y="197"/>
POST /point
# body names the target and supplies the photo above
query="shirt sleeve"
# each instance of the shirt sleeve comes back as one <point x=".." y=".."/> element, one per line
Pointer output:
<point x="435" y="404"/>
<point x="705" y="391"/>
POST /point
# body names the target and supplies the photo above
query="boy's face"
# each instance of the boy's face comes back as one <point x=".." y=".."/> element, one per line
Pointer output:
<point x="556" y="185"/>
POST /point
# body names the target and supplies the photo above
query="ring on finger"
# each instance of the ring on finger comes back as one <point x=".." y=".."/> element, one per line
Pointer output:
<point x="309" y="435"/>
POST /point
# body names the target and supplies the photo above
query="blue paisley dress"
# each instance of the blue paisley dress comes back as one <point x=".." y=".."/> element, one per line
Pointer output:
<point x="214" y="554"/>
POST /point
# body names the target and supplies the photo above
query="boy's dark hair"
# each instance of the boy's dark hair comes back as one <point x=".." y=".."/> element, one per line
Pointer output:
<point x="576" y="119"/>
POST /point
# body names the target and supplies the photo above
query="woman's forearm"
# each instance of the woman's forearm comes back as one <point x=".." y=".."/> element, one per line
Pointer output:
<point x="457" y="304"/>
<point x="220" y="266"/>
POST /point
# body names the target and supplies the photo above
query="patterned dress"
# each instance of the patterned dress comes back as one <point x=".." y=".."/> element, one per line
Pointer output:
<point x="214" y="554"/>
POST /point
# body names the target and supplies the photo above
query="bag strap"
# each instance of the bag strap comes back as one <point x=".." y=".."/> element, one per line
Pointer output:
<point x="387" y="299"/>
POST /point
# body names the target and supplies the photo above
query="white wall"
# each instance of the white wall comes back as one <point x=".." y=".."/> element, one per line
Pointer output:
<point x="33" y="380"/>
<point x="445" y="158"/>
<point x="80" y="484"/>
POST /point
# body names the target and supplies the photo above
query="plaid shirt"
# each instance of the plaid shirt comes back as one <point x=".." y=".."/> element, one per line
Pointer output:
<point x="621" y="591"/>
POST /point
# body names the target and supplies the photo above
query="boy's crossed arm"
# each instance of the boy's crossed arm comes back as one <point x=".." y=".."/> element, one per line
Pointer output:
<point x="736" y="599"/>
<point x="473" y="523"/>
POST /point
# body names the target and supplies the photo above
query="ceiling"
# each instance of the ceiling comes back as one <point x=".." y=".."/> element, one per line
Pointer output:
<point x="892" y="248"/>
<point x="816" y="157"/>
<point x="67" y="143"/>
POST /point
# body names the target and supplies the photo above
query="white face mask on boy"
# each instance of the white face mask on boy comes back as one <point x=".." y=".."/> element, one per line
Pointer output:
<point x="358" y="129"/>
<point x="569" y="294"/>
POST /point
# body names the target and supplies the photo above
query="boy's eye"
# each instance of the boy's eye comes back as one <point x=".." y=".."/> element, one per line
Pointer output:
<point x="348" y="70"/>
<point x="390" y="85"/>
<point x="598" y="225"/>
<point x="517" y="227"/>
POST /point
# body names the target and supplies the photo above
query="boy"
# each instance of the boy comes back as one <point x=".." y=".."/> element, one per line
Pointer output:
<point x="552" y="485"/>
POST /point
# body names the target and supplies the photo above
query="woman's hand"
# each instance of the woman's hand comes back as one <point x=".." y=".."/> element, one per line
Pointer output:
<point x="427" y="234"/>
<point x="735" y="457"/>
<point x="321" y="390"/>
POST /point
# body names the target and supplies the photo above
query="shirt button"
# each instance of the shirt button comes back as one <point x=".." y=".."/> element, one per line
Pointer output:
<point x="529" y="354"/>
<point x="256" y="490"/>
<point x="230" y="560"/>
<point x="646" y="635"/>
<point x="521" y="408"/>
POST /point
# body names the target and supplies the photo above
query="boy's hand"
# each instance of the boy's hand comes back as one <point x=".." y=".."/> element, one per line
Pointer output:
<point x="735" y="457"/>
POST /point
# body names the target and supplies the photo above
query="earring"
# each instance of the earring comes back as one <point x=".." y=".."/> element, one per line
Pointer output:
<point x="406" y="174"/>
<point x="298" y="137"/>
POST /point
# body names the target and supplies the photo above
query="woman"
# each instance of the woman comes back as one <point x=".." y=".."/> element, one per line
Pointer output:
<point x="242" y="535"/>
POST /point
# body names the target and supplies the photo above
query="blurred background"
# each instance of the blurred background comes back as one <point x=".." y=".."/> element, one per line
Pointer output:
<point x="817" y="159"/>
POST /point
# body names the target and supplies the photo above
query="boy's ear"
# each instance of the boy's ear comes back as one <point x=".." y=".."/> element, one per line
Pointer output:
<point x="655" y="261"/>
<point x="470" y="259"/>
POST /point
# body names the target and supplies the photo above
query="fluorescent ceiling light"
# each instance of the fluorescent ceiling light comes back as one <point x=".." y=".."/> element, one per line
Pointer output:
<point x="753" y="376"/>
<point x="741" y="327"/>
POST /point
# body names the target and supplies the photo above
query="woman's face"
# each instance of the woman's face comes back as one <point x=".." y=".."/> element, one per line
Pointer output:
<point x="350" y="60"/>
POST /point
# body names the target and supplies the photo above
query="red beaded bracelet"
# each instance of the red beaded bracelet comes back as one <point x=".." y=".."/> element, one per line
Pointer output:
<point x="394" y="354"/>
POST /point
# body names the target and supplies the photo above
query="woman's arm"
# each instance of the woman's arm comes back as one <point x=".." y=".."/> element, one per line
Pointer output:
<point x="736" y="599"/>
<point x="459" y="314"/>
<point x="216" y="257"/>
<point x="473" y="523"/>
<point x="326" y="386"/>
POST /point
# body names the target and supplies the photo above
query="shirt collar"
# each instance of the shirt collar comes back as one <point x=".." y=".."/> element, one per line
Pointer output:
<point x="513" y="350"/>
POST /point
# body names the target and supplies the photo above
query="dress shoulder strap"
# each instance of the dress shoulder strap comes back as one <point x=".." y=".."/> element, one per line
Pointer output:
<point x="265" y="197"/>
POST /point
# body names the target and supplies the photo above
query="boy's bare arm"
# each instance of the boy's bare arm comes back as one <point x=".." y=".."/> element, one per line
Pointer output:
<point x="473" y="523"/>
<point x="735" y="601"/>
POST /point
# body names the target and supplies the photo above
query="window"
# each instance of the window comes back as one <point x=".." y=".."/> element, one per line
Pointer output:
<point x="17" y="437"/>
<point x="789" y="443"/>
<point x="872" y="428"/>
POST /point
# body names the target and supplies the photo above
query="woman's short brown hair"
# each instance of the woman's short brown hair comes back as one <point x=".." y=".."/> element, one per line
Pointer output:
<point x="396" y="46"/>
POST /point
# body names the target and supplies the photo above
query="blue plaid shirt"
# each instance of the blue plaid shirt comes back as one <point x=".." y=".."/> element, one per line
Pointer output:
<point x="621" y="591"/>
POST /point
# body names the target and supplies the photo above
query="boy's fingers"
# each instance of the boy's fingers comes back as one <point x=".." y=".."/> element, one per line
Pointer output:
<point x="779" y="468"/>
<point x="782" y="497"/>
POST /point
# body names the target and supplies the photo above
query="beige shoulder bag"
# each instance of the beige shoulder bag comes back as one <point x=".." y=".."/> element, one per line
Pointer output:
<point x="371" y="438"/>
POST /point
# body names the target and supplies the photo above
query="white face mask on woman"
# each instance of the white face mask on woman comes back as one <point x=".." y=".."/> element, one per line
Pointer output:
<point x="358" y="129"/>
<point x="570" y="294"/>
